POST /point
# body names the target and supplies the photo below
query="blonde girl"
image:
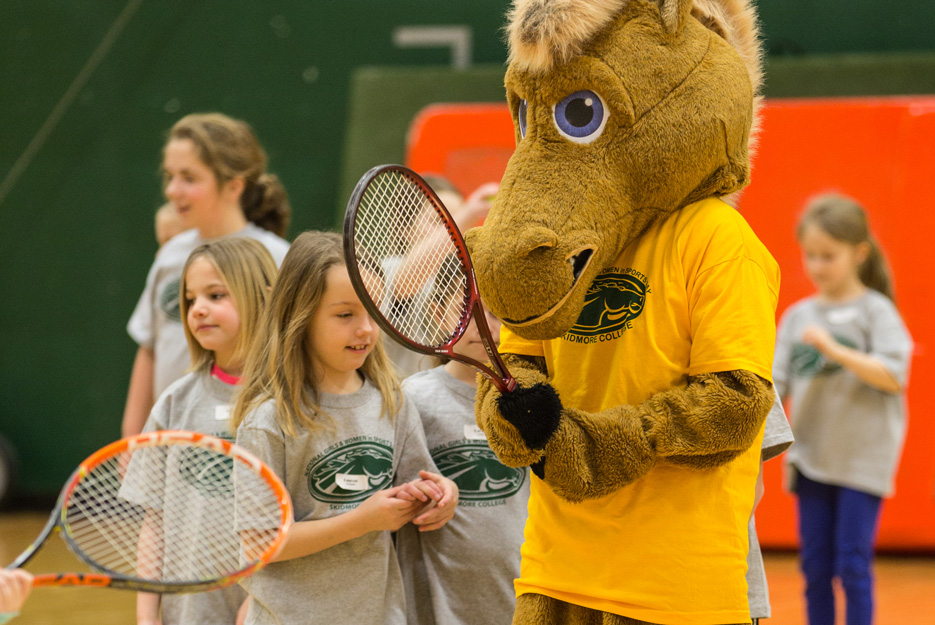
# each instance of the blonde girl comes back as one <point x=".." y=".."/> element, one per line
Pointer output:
<point x="225" y="284"/>
<point x="322" y="406"/>
<point x="842" y="359"/>
<point x="214" y="175"/>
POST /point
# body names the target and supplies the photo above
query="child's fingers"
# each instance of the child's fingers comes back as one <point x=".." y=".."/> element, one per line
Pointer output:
<point x="433" y="519"/>
<point x="411" y="492"/>
<point x="428" y="488"/>
<point x="444" y="485"/>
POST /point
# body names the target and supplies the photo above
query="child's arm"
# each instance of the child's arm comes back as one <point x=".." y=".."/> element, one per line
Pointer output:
<point x="140" y="394"/>
<point x="15" y="586"/>
<point x="444" y="509"/>
<point x="381" y="511"/>
<point x="147" y="608"/>
<point x="867" y="368"/>
<point x="148" y="564"/>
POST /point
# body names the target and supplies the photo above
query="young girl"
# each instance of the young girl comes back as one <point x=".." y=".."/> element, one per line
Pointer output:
<point x="224" y="287"/>
<point x="323" y="408"/>
<point x="842" y="357"/>
<point x="440" y="569"/>
<point x="214" y="173"/>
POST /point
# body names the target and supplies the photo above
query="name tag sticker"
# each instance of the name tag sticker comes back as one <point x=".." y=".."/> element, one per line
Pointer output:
<point x="474" y="433"/>
<point x="348" y="481"/>
<point x="842" y="315"/>
<point x="222" y="413"/>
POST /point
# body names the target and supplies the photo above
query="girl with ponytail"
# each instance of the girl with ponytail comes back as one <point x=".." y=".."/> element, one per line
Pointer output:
<point x="842" y="360"/>
<point x="214" y="174"/>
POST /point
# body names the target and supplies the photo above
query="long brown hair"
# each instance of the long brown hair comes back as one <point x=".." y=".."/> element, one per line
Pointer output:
<point x="229" y="148"/>
<point x="248" y="270"/>
<point x="845" y="220"/>
<point x="279" y="363"/>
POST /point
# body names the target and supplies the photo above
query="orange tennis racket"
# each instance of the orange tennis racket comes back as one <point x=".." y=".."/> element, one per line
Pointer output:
<point x="167" y="512"/>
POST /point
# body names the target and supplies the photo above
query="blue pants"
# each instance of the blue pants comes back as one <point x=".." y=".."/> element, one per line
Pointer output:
<point x="837" y="529"/>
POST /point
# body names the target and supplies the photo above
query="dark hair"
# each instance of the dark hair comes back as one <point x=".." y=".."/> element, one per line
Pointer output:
<point x="229" y="148"/>
<point x="845" y="220"/>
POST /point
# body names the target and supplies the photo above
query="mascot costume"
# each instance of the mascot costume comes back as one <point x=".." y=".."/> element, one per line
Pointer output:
<point x="638" y="308"/>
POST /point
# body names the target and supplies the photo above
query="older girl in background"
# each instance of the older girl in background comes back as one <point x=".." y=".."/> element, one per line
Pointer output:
<point x="842" y="358"/>
<point x="214" y="174"/>
<point x="322" y="406"/>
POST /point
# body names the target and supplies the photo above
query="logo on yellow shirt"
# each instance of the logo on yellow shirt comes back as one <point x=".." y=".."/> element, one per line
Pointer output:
<point x="614" y="300"/>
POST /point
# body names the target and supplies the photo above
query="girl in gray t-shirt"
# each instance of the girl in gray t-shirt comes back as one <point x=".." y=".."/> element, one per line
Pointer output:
<point x="224" y="288"/>
<point x="440" y="570"/>
<point x="322" y="407"/>
<point x="842" y="359"/>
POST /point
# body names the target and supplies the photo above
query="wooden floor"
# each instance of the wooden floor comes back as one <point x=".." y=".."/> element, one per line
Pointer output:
<point x="905" y="585"/>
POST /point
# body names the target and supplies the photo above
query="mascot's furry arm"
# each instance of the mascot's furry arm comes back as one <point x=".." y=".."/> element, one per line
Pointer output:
<point x="583" y="455"/>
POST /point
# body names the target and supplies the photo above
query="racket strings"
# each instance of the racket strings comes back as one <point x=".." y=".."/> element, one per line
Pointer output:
<point x="172" y="514"/>
<point x="409" y="262"/>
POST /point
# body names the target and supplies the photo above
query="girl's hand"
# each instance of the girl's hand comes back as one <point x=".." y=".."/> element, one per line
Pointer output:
<point x="475" y="208"/>
<point x="385" y="510"/>
<point x="819" y="338"/>
<point x="445" y="507"/>
<point x="424" y="491"/>
<point x="15" y="586"/>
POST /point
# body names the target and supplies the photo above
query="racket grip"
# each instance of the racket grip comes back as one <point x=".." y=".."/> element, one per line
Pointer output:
<point x="534" y="411"/>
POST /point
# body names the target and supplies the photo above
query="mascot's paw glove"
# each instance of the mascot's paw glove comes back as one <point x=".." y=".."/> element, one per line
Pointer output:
<point x="534" y="411"/>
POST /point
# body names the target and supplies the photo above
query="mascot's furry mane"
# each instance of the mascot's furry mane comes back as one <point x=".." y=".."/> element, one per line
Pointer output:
<point x="545" y="33"/>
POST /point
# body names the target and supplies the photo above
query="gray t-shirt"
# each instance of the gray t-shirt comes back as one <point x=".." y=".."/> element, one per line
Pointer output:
<point x="847" y="433"/>
<point x="197" y="402"/>
<point x="156" y="322"/>
<point x="327" y="473"/>
<point x="777" y="437"/>
<point x="441" y="568"/>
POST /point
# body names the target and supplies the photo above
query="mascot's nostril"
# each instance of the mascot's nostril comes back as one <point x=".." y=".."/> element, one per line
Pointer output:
<point x="579" y="262"/>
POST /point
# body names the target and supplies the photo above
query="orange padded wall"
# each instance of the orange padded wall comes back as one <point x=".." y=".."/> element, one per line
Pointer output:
<point x="879" y="150"/>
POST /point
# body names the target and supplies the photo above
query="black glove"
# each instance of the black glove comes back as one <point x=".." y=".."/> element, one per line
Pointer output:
<point x="534" y="411"/>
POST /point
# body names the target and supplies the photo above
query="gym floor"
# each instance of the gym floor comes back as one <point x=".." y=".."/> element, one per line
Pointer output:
<point x="905" y="585"/>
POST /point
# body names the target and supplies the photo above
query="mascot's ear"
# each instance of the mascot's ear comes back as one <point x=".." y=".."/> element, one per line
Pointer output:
<point x="735" y="22"/>
<point x="674" y="13"/>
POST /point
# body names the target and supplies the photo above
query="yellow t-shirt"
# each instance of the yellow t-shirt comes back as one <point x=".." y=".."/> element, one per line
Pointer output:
<point x="696" y="294"/>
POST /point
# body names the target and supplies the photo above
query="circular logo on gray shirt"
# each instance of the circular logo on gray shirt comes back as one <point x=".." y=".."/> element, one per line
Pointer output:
<point x="474" y="467"/>
<point x="351" y="473"/>
<point x="169" y="302"/>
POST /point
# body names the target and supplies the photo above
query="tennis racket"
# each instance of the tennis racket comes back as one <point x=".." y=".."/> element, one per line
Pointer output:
<point x="411" y="269"/>
<point x="167" y="512"/>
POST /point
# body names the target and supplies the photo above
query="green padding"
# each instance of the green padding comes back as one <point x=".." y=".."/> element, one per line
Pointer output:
<point x="850" y="75"/>
<point x="383" y="101"/>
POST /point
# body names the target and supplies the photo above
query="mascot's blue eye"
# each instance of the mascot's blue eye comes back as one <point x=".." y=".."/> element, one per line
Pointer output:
<point x="581" y="116"/>
<point x="521" y="116"/>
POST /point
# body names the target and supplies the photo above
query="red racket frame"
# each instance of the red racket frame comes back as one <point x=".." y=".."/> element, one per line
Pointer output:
<point x="472" y="308"/>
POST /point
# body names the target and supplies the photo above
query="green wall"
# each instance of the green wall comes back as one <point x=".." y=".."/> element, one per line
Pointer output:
<point x="88" y="88"/>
